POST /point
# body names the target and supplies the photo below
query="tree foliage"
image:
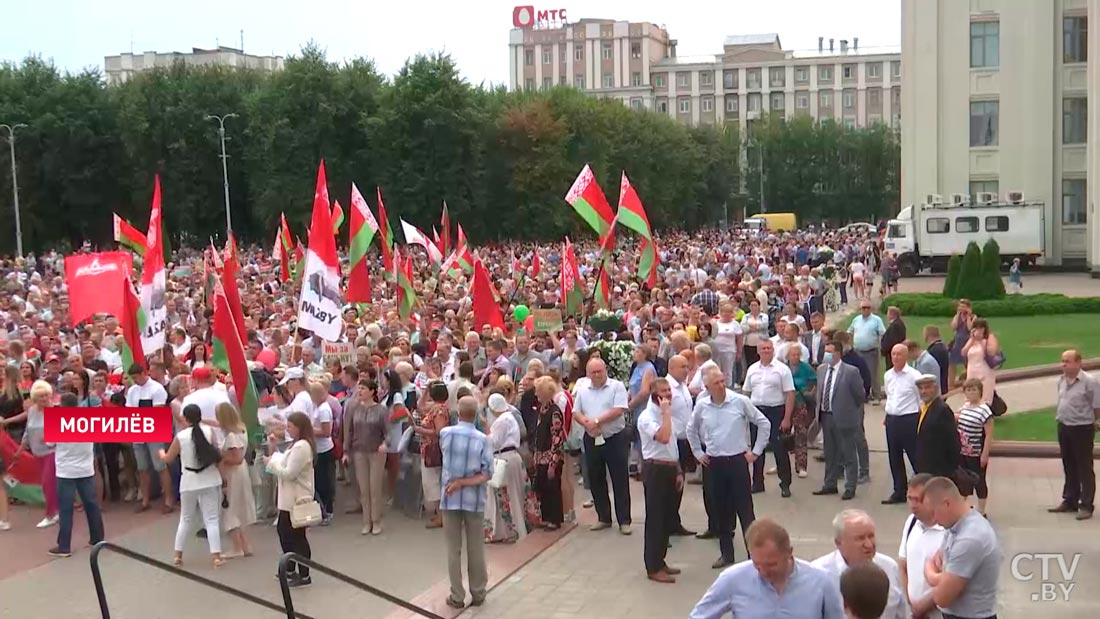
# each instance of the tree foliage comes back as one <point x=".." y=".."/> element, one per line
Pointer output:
<point x="993" y="286"/>
<point x="951" y="284"/>
<point x="970" y="274"/>
<point x="502" y="160"/>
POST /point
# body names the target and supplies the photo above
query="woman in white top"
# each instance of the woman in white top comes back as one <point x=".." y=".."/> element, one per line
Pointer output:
<point x="726" y="340"/>
<point x="294" y="470"/>
<point x="200" y="482"/>
<point x="755" y="327"/>
<point x="859" y="278"/>
<point x="241" y="508"/>
<point x="504" y="509"/>
<point x="325" y="468"/>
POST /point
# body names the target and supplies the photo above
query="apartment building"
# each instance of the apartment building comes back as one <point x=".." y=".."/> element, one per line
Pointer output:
<point x="120" y="68"/>
<point x="996" y="94"/>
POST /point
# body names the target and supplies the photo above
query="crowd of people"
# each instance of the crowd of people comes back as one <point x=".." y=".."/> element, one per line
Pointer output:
<point x="484" y="432"/>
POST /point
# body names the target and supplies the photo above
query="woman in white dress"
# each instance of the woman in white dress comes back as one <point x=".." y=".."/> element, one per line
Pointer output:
<point x="200" y="483"/>
<point x="726" y="341"/>
<point x="239" y="508"/>
<point x="504" y="510"/>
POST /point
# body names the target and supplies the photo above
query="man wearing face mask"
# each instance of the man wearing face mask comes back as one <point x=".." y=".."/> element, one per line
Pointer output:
<point x="840" y="414"/>
<point x="855" y="544"/>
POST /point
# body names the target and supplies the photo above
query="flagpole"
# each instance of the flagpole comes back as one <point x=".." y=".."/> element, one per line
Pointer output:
<point x="592" y="299"/>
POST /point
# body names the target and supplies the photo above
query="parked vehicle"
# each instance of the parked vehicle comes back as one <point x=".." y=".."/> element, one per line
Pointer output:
<point x="776" y="222"/>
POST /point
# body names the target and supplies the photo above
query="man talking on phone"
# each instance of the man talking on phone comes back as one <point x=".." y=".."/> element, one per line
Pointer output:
<point x="661" y="478"/>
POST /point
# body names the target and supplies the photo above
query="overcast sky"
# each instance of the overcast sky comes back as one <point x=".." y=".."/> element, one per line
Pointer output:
<point x="79" y="33"/>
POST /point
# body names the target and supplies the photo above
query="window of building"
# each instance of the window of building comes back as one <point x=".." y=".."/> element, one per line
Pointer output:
<point x="547" y="83"/>
<point x="636" y="103"/>
<point x="1074" y="208"/>
<point x="1075" y="115"/>
<point x="547" y="58"/>
<point x="777" y="101"/>
<point x="729" y="79"/>
<point x="996" y="223"/>
<point x="825" y="99"/>
<point x="977" y="187"/>
<point x="849" y="71"/>
<point x="895" y="68"/>
<point x="874" y="98"/>
<point x="1075" y="45"/>
<point x="938" y="225"/>
<point x="685" y="106"/>
<point x="659" y="80"/>
<point x="635" y="49"/>
<point x="662" y="106"/>
<point x="801" y="74"/>
<point x="605" y="50"/>
<point x="683" y="80"/>
<point x="608" y="80"/>
<point x="802" y="101"/>
<point x="561" y="54"/>
<point x="895" y="97"/>
<point x="706" y="78"/>
<point x="529" y="57"/>
<point x="983" y="123"/>
<point x="731" y="104"/>
<point x="708" y="104"/>
<point x="985" y="44"/>
<point x="849" y="100"/>
<point x="529" y="84"/>
<point x="578" y="81"/>
<point x="578" y="52"/>
<point x="561" y="80"/>
<point x="752" y="76"/>
<point x="850" y="122"/>
<point x="825" y="74"/>
<point x="874" y="69"/>
<point x="777" y="77"/>
<point x="754" y="102"/>
<point x="966" y="225"/>
<point x="635" y="79"/>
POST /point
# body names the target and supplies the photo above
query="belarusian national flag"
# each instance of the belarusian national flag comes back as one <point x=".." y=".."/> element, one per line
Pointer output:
<point x="363" y="227"/>
<point x="129" y="236"/>
<point x="435" y="239"/>
<point x="536" y="264"/>
<point x="228" y="354"/>
<point x="153" y="279"/>
<point x="337" y="216"/>
<point x="572" y="286"/>
<point x="403" y="275"/>
<point x="132" y="323"/>
<point x="386" y="233"/>
<point x="586" y="197"/>
<point x="319" y="307"/>
<point x="631" y="214"/>
<point x="232" y="289"/>
<point x="281" y="256"/>
<point x="486" y="305"/>
<point x="445" y="224"/>
<point x="414" y="236"/>
<point x="464" y="255"/>
<point x="647" y="262"/>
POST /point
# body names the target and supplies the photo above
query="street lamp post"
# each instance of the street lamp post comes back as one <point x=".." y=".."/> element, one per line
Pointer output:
<point x="225" y="169"/>
<point x="15" y="186"/>
<point x="763" y="204"/>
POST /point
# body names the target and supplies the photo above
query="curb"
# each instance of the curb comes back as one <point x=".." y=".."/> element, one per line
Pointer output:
<point x="1039" y="371"/>
<point x="1030" y="449"/>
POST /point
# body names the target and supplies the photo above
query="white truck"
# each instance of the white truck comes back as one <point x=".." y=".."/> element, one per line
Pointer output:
<point x="925" y="236"/>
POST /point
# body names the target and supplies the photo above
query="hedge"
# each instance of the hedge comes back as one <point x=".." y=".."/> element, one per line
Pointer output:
<point x="934" y="304"/>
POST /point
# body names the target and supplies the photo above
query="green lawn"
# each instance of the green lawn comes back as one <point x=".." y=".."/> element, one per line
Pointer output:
<point x="1028" y="340"/>
<point x="1037" y="425"/>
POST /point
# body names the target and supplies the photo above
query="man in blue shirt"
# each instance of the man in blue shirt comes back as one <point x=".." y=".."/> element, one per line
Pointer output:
<point x="467" y="466"/>
<point x="867" y="331"/>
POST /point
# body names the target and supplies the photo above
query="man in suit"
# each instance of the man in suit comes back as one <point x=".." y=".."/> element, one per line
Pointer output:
<point x="895" y="332"/>
<point x="938" y="448"/>
<point x="814" y="339"/>
<point x="938" y="350"/>
<point x="840" y="411"/>
<point x="923" y="361"/>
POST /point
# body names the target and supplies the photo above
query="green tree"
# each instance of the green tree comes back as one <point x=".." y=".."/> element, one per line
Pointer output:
<point x="993" y="285"/>
<point x="954" y="270"/>
<point x="970" y="274"/>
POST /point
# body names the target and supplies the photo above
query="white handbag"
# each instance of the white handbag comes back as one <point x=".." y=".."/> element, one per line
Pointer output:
<point x="305" y="513"/>
<point x="500" y="470"/>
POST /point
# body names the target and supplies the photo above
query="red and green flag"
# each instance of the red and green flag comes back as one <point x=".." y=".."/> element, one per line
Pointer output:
<point x="403" y="275"/>
<point x="129" y="236"/>
<point x="572" y="286"/>
<point x="337" y="217"/>
<point x="464" y="255"/>
<point x="132" y="323"/>
<point x="228" y="352"/>
<point x="154" y="277"/>
<point x="631" y="215"/>
<point x="586" y="197"/>
<point x="445" y="225"/>
<point x="286" y="248"/>
<point x="386" y="233"/>
<point x="360" y="236"/>
<point x="232" y="290"/>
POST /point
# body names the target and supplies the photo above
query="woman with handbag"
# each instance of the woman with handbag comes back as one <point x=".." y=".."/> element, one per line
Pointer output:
<point x="294" y="470"/>
<point x="504" y="510"/>
<point x="200" y="482"/>
<point x="975" y="423"/>
<point x="982" y="352"/>
<point x="239" y="506"/>
<point x="435" y="417"/>
<point x="549" y="447"/>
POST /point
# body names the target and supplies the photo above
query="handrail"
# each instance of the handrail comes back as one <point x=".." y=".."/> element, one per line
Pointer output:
<point x="147" y="560"/>
<point x="297" y="558"/>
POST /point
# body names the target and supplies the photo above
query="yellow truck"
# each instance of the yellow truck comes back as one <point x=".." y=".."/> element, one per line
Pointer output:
<point x="776" y="222"/>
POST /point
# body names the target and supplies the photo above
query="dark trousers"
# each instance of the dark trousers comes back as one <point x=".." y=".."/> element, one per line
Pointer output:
<point x="111" y="452"/>
<point x="1076" y="444"/>
<point x="843" y="286"/>
<point x="731" y="497"/>
<point x="659" y="483"/>
<point x="324" y="480"/>
<point x="67" y="490"/>
<point x="549" y="493"/>
<point x="708" y="501"/>
<point x="840" y="453"/>
<point x="901" y="442"/>
<point x="687" y="465"/>
<point x="293" y="540"/>
<point x="974" y="464"/>
<point x="609" y="459"/>
<point x="751" y="356"/>
<point x="775" y="446"/>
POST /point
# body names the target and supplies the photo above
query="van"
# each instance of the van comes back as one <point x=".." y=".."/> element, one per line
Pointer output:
<point x="778" y="222"/>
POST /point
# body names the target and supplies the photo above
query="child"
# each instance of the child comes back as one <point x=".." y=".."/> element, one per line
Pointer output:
<point x="1015" y="277"/>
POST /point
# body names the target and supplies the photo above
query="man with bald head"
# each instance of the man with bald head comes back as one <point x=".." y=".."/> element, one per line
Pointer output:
<point x="598" y="406"/>
<point x="681" y="416"/>
<point x="903" y="406"/>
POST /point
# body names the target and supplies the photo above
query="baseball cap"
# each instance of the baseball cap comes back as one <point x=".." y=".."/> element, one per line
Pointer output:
<point x="202" y="373"/>
<point x="292" y="374"/>
<point x="926" y="378"/>
<point x="53" y="357"/>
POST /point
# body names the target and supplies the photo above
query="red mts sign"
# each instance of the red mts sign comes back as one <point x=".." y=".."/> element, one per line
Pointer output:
<point x="108" y="424"/>
<point x="527" y="17"/>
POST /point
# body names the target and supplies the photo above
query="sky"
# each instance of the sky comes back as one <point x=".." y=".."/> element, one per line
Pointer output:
<point x="76" y="34"/>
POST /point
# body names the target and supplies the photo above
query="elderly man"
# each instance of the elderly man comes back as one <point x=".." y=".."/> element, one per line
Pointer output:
<point x="773" y="584"/>
<point x="867" y="331"/>
<point x="704" y="358"/>
<point x="1077" y="415"/>
<point x="924" y="362"/>
<point x="938" y="450"/>
<point x="599" y="406"/>
<point x="681" y="418"/>
<point x="903" y="406"/>
<point x="662" y="479"/>
<point x="771" y="388"/>
<point x="854" y="536"/>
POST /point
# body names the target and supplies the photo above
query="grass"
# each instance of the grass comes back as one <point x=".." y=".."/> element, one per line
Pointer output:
<point x="1036" y="425"/>
<point x="1027" y="340"/>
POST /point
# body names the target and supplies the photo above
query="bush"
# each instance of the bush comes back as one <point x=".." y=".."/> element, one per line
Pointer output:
<point x="993" y="285"/>
<point x="932" y="304"/>
<point x="954" y="267"/>
<point x="970" y="274"/>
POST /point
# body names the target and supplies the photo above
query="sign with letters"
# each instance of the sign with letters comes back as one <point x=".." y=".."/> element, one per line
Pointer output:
<point x="344" y="352"/>
<point x="548" y="320"/>
<point x="528" y="17"/>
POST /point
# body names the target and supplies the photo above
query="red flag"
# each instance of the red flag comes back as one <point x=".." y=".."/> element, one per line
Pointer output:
<point x="536" y="264"/>
<point x="436" y="240"/>
<point x="229" y="282"/>
<point x="486" y="310"/>
<point x="386" y="234"/>
<point x="359" y="238"/>
<point x="445" y="224"/>
<point x="320" y="305"/>
<point x="88" y="275"/>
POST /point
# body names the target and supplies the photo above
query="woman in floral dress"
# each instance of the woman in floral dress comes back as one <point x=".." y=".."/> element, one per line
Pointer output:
<point x="549" y="446"/>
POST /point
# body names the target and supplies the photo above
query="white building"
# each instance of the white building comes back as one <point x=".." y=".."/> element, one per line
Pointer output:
<point x="995" y="96"/>
<point x="120" y="68"/>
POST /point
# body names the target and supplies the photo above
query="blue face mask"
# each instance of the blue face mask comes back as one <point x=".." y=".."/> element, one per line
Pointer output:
<point x="827" y="358"/>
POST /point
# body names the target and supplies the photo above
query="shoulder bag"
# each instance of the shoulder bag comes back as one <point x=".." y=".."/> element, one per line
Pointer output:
<point x="305" y="513"/>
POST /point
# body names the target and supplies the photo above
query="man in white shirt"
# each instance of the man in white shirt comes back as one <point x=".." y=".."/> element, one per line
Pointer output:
<point x="903" y="407"/>
<point x="294" y="379"/>
<point x="599" y="406"/>
<point x="207" y="397"/>
<point x="75" y="471"/>
<point x="681" y="417"/>
<point x="704" y="356"/>
<point x="771" y="388"/>
<point x="921" y="537"/>
<point x="662" y="479"/>
<point x="146" y="392"/>
<point x="854" y="535"/>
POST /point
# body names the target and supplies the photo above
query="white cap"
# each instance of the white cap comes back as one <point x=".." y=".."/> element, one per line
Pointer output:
<point x="292" y="374"/>
<point x="497" y="403"/>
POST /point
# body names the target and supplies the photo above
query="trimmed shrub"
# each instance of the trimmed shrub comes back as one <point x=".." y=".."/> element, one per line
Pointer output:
<point x="932" y="304"/>
<point x="970" y="274"/>
<point x="993" y="285"/>
<point x="951" y="285"/>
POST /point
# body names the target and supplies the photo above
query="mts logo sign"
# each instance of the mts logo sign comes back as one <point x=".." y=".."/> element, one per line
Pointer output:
<point x="528" y="17"/>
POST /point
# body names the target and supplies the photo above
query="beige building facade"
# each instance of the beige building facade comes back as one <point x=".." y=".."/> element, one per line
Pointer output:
<point x="996" y="100"/>
<point x="120" y="68"/>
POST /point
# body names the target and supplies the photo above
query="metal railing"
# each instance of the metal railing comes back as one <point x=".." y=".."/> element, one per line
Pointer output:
<point x="101" y="593"/>
<point x="297" y="558"/>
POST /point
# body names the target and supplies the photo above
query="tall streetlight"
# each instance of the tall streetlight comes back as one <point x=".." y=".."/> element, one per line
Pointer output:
<point x="763" y="204"/>
<point x="225" y="170"/>
<point x="15" y="186"/>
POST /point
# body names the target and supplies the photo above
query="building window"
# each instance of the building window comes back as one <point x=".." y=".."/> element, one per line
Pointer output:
<point x="729" y="79"/>
<point x="529" y="57"/>
<point x="606" y="52"/>
<point x="777" y="77"/>
<point x="635" y="50"/>
<point x="1075" y="115"/>
<point x="1075" y="45"/>
<point x="874" y="98"/>
<point x="683" y="80"/>
<point x="561" y="80"/>
<point x="874" y="69"/>
<point x="983" y="123"/>
<point x="529" y="84"/>
<point x="636" y="103"/>
<point x="996" y="223"/>
<point x="561" y="54"/>
<point x="752" y="76"/>
<point x="849" y="100"/>
<point x="801" y="74"/>
<point x="985" y="44"/>
<point x="777" y="101"/>
<point x="547" y="83"/>
<point x="895" y="97"/>
<point x="825" y="74"/>
<point x="608" y="80"/>
<point x="578" y="81"/>
<point x="685" y="106"/>
<point x="966" y="225"/>
<point x="1073" y="201"/>
<point x="802" y="101"/>
<point x="849" y="122"/>
<point x="708" y="104"/>
<point x="578" y="52"/>
<point x="546" y="57"/>
<point x="731" y="104"/>
<point x="706" y="78"/>
<point x="977" y="187"/>
<point x="938" y="225"/>
<point x="826" y="99"/>
<point x="659" y="80"/>
<point x="635" y="79"/>
<point x="662" y="106"/>
<point x="849" y="71"/>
